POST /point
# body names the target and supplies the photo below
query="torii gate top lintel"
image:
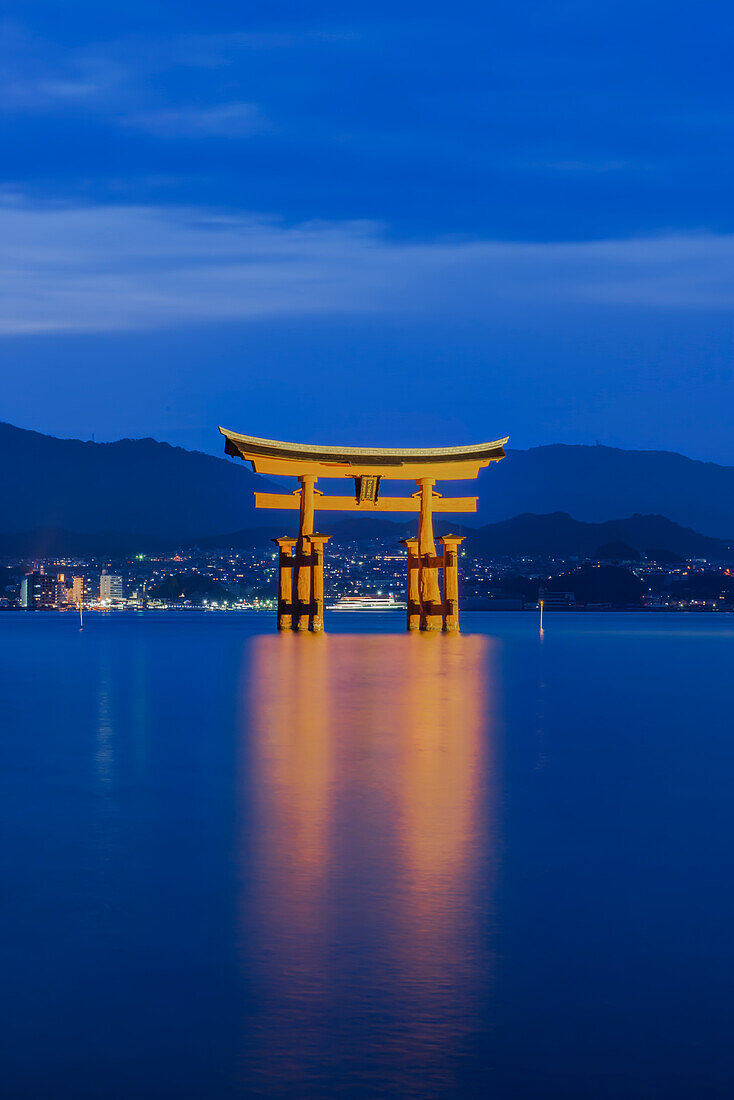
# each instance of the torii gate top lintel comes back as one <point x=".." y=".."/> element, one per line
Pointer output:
<point x="269" y="456"/>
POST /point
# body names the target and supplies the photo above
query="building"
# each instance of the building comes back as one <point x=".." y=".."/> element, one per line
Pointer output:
<point x="110" y="587"/>
<point x="78" y="593"/>
<point x="38" y="590"/>
<point x="62" y="592"/>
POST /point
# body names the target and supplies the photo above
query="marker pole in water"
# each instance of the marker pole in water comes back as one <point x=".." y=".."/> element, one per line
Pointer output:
<point x="81" y="614"/>
<point x="540" y="602"/>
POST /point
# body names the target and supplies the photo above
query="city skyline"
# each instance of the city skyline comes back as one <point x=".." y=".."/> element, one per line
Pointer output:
<point x="218" y="217"/>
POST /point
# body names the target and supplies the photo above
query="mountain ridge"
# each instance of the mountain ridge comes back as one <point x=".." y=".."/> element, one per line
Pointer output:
<point x="168" y="492"/>
<point x="555" y="535"/>
<point x="596" y="483"/>
<point x="127" y="486"/>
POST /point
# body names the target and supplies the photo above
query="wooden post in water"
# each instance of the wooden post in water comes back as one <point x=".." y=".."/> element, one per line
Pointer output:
<point x="413" y="589"/>
<point x="451" y="545"/>
<point x="430" y="593"/>
<point x="302" y="618"/>
<point x="302" y="602"/>
<point x="285" y="582"/>
<point x="317" y="581"/>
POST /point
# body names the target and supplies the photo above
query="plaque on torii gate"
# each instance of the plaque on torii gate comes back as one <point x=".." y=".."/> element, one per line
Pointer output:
<point x="431" y="606"/>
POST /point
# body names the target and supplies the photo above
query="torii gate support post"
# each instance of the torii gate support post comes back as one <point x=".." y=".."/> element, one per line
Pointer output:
<point x="285" y="582"/>
<point x="302" y="602"/>
<point x="430" y="592"/>
<point x="317" y="582"/>
<point x="451" y="545"/>
<point x="302" y="616"/>
<point x="414" y="592"/>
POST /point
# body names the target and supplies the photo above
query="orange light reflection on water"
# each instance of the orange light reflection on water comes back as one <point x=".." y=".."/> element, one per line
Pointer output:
<point x="370" y="779"/>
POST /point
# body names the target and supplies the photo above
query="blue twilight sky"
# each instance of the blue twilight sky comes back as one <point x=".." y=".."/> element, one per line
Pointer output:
<point x="374" y="222"/>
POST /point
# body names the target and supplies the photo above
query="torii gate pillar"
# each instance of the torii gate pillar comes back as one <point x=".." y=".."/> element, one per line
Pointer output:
<point x="304" y="609"/>
<point x="285" y="582"/>
<point x="451" y="545"/>
<point x="447" y="561"/>
<point x="414" y="587"/>
<point x="428" y="564"/>
<point x="317" y="578"/>
<point x="303" y="613"/>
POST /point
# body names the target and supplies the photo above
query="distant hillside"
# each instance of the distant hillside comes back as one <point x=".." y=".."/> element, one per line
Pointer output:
<point x="555" y="535"/>
<point x="134" y="485"/>
<point x="340" y="530"/>
<point x="46" y="542"/>
<point x="558" y="535"/>
<point x="139" y="485"/>
<point x="596" y="483"/>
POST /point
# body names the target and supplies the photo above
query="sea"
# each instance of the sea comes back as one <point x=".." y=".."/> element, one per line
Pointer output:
<point x="368" y="863"/>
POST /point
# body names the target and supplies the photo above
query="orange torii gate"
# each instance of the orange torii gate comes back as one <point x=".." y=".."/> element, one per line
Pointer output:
<point x="301" y="598"/>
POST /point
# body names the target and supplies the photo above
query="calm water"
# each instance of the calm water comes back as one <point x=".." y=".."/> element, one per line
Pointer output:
<point x="367" y="864"/>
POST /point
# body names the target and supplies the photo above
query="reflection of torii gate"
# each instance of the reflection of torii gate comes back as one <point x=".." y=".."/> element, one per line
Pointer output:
<point x="301" y="606"/>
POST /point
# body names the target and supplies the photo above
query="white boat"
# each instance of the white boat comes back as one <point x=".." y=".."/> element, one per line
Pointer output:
<point x="368" y="603"/>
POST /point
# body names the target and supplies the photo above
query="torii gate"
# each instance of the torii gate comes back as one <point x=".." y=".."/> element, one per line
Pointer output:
<point x="301" y="604"/>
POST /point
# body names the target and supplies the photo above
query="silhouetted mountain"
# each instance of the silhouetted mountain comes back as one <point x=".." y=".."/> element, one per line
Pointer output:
<point x="606" y="584"/>
<point x="342" y="530"/>
<point x="594" y="483"/>
<point x="704" y="586"/>
<point x="589" y="583"/>
<point x="46" y="542"/>
<point x="663" y="556"/>
<point x="617" y="551"/>
<point x="558" y="535"/>
<point x="139" y="485"/>
<point x="134" y="485"/>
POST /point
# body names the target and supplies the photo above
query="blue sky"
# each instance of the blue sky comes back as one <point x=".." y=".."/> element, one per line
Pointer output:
<point x="369" y="223"/>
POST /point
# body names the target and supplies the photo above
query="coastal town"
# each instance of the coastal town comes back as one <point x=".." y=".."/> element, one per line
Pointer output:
<point x="245" y="579"/>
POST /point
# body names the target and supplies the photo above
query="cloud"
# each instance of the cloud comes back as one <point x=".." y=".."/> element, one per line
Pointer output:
<point x="42" y="95"/>
<point x="115" y="268"/>
<point x="222" y="120"/>
<point x="39" y="77"/>
<point x="126" y="80"/>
